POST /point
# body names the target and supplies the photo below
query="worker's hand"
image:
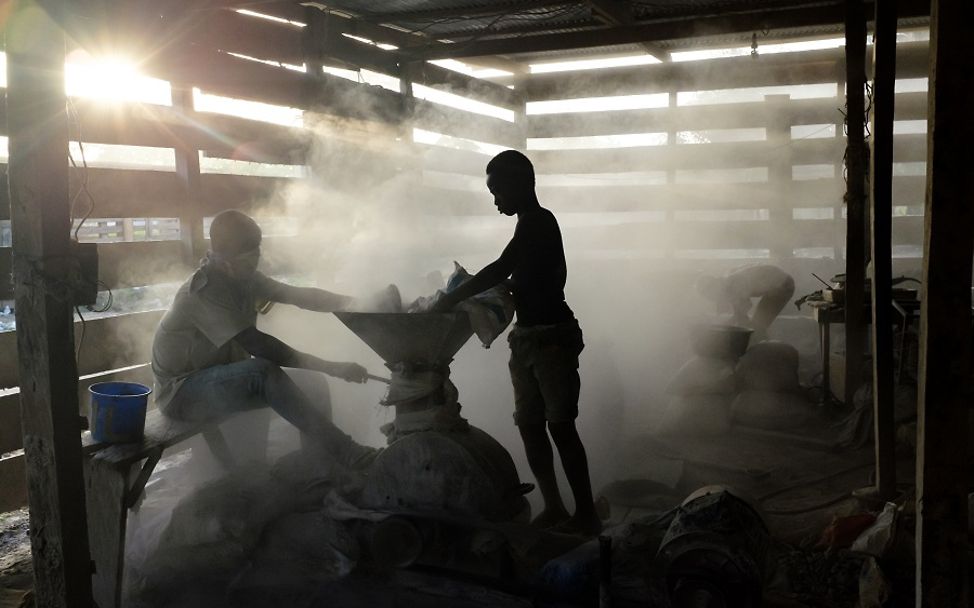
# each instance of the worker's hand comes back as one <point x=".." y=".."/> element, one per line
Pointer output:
<point x="350" y="372"/>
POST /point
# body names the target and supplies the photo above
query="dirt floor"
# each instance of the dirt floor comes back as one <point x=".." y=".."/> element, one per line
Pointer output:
<point x="15" y="567"/>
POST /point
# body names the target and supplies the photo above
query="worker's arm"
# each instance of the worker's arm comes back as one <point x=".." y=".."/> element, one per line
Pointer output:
<point x="265" y="346"/>
<point x="311" y="298"/>
<point x="491" y="275"/>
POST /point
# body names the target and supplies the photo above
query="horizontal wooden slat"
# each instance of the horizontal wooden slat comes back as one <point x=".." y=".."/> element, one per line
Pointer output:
<point x="450" y="160"/>
<point x="110" y="343"/>
<point x="129" y="264"/>
<point x="685" y="118"/>
<point x="909" y="189"/>
<point x="142" y="124"/>
<point x="281" y="42"/>
<point x="141" y="193"/>
<point x="246" y="35"/>
<point x="140" y="263"/>
<point x="386" y="62"/>
<point x="689" y="156"/>
<point x="459" y="123"/>
<point x="763" y="195"/>
<point x="909" y="106"/>
<point x="11" y="437"/>
<point x="734" y="72"/>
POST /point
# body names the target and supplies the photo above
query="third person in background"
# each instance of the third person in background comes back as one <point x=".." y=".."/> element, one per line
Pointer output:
<point x="771" y="285"/>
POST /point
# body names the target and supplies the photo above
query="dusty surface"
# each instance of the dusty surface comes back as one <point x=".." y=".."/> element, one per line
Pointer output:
<point x="798" y="486"/>
<point x="15" y="567"/>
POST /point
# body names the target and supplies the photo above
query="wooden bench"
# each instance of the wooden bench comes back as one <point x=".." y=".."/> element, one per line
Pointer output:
<point x="114" y="483"/>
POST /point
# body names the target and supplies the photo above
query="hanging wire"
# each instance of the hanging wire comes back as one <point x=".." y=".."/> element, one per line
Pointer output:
<point x="83" y="191"/>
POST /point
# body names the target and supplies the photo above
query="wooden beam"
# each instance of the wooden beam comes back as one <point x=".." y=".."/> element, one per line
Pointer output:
<point x="881" y="214"/>
<point x="612" y="12"/>
<point x="677" y="29"/>
<point x="855" y="265"/>
<point x="944" y="440"/>
<point x="188" y="174"/>
<point x="110" y="343"/>
<point x="727" y="155"/>
<point x="40" y="218"/>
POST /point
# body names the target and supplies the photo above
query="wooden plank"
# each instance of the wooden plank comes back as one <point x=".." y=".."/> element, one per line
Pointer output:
<point x="142" y="263"/>
<point x="697" y="235"/>
<point x="40" y="217"/>
<point x="142" y="193"/>
<point x="909" y="106"/>
<point x="810" y="193"/>
<point x="717" y="116"/>
<point x="880" y="212"/>
<point x="811" y="67"/>
<point x="107" y="518"/>
<point x="356" y="53"/>
<point x="687" y="156"/>
<point x="467" y="162"/>
<point x="134" y="264"/>
<point x="224" y="74"/>
<point x="11" y="437"/>
<point x="246" y="35"/>
<point x="13" y="483"/>
<point x="459" y="123"/>
<point x="856" y="237"/>
<point x="191" y="235"/>
<point x="110" y="343"/>
<point x="944" y="439"/>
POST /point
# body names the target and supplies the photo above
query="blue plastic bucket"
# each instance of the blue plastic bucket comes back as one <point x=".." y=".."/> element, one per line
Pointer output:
<point x="118" y="411"/>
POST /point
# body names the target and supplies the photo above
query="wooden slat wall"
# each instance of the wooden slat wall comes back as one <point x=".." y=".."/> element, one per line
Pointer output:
<point x="675" y="174"/>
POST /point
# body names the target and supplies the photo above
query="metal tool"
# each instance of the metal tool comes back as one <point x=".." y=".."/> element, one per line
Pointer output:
<point x="823" y="281"/>
<point x="379" y="378"/>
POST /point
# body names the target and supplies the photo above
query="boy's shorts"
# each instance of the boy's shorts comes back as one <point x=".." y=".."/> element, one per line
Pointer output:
<point x="544" y="371"/>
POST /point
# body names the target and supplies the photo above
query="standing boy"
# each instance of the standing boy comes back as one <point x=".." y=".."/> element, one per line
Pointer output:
<point x="545" y="342"/>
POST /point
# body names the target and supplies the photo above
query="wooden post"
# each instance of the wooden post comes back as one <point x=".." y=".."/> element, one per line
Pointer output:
<point x="778" y="131"/>
<point x="881" y="212"/>
<point x="855" y="256"/>
<point x="188" y="171"/>
<point x="944" y="446"/>
<point x="672" y="102"/>
<point x="38" y="180"/>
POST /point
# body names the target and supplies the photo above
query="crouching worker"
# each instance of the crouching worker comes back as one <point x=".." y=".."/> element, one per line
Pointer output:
<point x="772" y="285"/>
<point x="210" y="360"/>
<point x="545" y="342"/>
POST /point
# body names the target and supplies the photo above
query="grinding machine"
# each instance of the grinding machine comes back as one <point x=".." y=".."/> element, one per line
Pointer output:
<point x="438" y="470"/>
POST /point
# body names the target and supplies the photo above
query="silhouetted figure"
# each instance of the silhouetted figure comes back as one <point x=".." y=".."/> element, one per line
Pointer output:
<point x="209" y="359"/>
<point x="545" y="341"/>
<point x="771" y="284"/>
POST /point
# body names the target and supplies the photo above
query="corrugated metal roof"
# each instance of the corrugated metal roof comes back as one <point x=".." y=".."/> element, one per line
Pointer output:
<point x="468" y="21"/>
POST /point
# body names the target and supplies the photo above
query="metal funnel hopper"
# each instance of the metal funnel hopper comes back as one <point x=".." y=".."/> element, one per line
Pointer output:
<point x="427" y="338"/>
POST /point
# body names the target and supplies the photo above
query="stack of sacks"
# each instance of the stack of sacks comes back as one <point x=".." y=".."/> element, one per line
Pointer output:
<point x="770" y="396"/>
<point x="699" y="396"/>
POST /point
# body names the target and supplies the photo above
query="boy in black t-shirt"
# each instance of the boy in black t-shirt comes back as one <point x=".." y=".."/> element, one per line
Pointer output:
<point x="545" y="342"/>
